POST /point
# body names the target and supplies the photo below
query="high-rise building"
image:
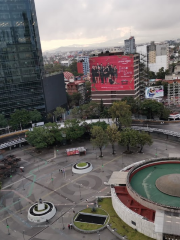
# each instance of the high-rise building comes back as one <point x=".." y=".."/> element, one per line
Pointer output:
<point x="21" y="65"/>
<point x="157" y="55"/>
<point x="129" y="46"/>
<point x="85" y="62"/>
<point x="114" y="76"/>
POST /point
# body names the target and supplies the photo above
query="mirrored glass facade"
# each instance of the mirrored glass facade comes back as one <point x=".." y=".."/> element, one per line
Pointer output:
<point x="21" y="65"/>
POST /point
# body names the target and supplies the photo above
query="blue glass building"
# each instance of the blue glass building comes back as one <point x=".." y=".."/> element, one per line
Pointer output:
<point x="21" y="65"/>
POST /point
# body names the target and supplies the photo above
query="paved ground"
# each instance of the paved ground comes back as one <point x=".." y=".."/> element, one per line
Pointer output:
<point x="65" y="191"/>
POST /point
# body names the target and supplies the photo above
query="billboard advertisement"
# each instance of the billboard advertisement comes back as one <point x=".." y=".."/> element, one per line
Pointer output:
<point x="154" y="92"/>
<point x="112" y="73"/>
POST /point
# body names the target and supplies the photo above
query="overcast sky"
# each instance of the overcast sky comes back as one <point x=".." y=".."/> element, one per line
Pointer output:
<point x="84" y="22"/>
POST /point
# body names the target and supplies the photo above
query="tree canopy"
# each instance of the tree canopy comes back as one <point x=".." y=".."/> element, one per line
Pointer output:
<point x="40" y="137"/>
<point x="72" y="129"/>
<point x="19" y="118"/>
<point x="35" y="116"/>
<point x="99" y="138"/>
<point x="143" y="138"/>
<point x="113" y="135"/>
<point x="3" y="121"/>
<point x="152" y="108"/>
<point x="129" y="138"/>
<point x="120" y="112"/>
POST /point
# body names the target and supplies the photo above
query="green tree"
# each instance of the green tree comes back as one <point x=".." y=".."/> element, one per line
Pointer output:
<point x="19" y="118"/>
<point x="35" y="116"/>
<point x="3" y="121"/>
<point x="54" y="129"/>
<point x="76" y="98"/>
<point x="73" y="129"/>
<point x="161" y="73"/>
<point x="58" y="112"/>
<point x="120" y="112"/>
<point x="151" y="75"/>
<point x="69" y="100"/>
<point x="143" y="138"/>
<point x="99" y="138"/>
<point x="103" y="125"/>
<point x="73" y="68"/>
<point x="113" y="136"/>
<point x="88" y="91"/>
<point x="128" y="138"/>
<point x="50" y="116"/>
<point x="40" y="137"/>
<point x="133" y="103"/>
<point x="152" y="108"/>
<point x="165" y="113"/>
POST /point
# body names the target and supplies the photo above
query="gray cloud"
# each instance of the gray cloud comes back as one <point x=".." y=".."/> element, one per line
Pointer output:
<point x="75" y="19"/>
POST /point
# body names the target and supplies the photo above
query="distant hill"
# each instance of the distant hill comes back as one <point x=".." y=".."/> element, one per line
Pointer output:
<point x="110" y="43"/>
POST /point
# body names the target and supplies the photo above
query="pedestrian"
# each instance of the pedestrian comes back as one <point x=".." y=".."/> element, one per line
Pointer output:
<point x="69" y="226"/>
<point x="59" y="170"/>
<point x="73" y="211"/>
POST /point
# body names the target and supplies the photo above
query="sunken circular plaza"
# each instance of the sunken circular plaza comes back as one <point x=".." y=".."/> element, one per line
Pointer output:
<point x="146" y="196"/>
<point x="41" y="212"/>
<point x="82" y="167"/>
<point x="156" y="183"/>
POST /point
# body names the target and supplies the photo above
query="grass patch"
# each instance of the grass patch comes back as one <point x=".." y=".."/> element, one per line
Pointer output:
<point x="87" y="226"/>
<point x="81" y="164"/>
<point x="121" y="227"/>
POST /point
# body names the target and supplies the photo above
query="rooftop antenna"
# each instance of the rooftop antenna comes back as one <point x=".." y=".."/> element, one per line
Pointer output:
<point x="130" y="31"/>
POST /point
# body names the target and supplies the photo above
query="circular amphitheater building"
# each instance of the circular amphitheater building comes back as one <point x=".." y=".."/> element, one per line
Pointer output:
<point x="146" y="196"/>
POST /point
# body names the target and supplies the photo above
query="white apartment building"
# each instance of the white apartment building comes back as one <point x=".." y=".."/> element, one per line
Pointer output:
<point x="157" y="54"/>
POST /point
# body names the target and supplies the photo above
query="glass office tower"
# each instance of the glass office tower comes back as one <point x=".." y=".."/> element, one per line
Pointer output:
<point x="21" y="65"/>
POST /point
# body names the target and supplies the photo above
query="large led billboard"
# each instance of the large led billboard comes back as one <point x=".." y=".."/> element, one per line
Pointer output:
<point x="112" y="73"/>
<point x="154" y="92"/>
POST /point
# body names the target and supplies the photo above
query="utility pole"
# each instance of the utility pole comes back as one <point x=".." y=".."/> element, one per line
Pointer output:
<point x="7" y="225"/>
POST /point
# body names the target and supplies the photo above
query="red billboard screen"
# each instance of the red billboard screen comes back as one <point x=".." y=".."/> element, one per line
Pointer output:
<point x="112" y="73"/>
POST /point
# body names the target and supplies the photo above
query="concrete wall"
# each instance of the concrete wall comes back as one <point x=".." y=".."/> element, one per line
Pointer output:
<point x="143" y="226"/>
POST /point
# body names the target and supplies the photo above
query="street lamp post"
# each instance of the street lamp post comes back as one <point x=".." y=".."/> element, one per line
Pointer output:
<point x="80" y="192"/>
<point x="20" y="206"/>
<point x="63" y="223"/>
<point x="166" y="144"/>
<point x="71" y="169"/>
<point x="23" y="235"/>
<point x="102" y="166"/>
<point x="7" y="225"/>
<point x="23" y="184"/>
<point x="156" y="152"/>
<point x="64" y="138"/>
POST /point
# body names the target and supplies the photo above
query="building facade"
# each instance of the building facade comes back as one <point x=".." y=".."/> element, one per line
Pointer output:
<point x="129" y="46"/>
<point x="85" y="62"/>
<point x="157" y="55"/>
<point x="21" y="65"/>
<point x="127" y="82"/>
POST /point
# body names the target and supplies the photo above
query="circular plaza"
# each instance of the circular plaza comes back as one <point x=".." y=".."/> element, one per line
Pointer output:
<point x="147" y="197"/>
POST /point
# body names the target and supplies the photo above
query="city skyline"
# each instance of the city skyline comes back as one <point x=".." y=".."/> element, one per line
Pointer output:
<point x="109" y="22"/>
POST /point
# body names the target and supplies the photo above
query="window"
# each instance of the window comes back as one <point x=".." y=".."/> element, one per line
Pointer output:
<point x="133" y="223"/>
